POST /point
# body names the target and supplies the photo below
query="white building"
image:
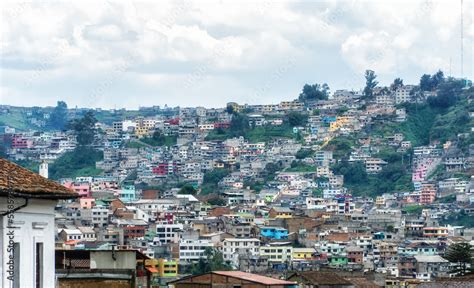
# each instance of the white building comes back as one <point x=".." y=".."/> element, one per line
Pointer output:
<point x="70" y="234"/>
<point x="27" y="231"/>
<point x="168" y="233"/>
<point x="193" y="250"/>
<point x="402" y="94"/>
<point x="233" y="247"/>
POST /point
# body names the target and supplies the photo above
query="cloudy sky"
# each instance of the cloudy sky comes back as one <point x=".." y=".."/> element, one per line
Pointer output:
<point x="118" y="54"/>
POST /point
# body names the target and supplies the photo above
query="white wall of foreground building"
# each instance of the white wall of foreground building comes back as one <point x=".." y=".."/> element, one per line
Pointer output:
<point x="33" y="224"/>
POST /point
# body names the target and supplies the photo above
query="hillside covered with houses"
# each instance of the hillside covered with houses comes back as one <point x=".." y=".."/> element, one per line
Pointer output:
<point x="375" y="181"/>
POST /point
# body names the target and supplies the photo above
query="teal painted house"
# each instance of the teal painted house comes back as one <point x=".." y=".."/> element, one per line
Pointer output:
<point x="127" y="193"/>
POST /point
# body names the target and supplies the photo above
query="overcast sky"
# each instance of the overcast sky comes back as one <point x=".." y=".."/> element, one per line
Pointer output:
<point x="206" y="53"/>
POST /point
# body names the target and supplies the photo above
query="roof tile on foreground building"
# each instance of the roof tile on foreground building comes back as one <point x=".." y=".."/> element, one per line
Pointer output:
<point x="25" y="183"/>
<point x="320" y="278"/>
<point x="254" y="278"/>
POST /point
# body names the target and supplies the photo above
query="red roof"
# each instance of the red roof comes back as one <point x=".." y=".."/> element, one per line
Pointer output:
<point x="254" y="278"/>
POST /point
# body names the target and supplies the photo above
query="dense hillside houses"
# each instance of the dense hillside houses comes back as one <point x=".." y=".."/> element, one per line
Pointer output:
<point x="355" y="187"/>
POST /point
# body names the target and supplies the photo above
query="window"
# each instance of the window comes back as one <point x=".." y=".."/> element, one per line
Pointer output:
<point x="39" y="265"/>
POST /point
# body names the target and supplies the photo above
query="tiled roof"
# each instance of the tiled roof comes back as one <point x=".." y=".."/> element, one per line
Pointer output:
<point x="321" y="278"/>
<point x="25" y="183"/>
<point x="254" y="278"/>
<point x="362" y="283"/>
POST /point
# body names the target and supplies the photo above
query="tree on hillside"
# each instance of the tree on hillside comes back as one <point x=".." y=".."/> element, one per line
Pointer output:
<point x="296" y="119"/>
<point x="314" y="92"/>
<point x="354" y="172"/>
<point x="187" y="189"/>
<point x="437" y="78"/>
<point x="239" y="124"/>
<point x="230" y="109"/>
<point x="58" y="118"/>
<point x="217" y="201"/>
<point x="397" y="83"/>
<point x="461" y="255"/>
<point x="214" y="261"/>
<point x="160" y="139"/>
<point x="430" y="83"/>
<point x="370" y="83"/>
<point x="448" y="93"/>
<point x="84" y="128"/>
<point x="425" y="82"/>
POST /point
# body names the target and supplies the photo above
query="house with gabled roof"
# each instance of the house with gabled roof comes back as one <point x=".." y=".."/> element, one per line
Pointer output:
<point x="27" y="231"/>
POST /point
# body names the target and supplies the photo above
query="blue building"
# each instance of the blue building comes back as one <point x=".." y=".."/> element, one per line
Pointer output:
<point x="276" y="233"/>
<point x="127" y="193"/>
<point x="378" y="236"/>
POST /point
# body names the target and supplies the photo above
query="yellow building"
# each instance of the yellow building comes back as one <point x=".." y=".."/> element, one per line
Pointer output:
<point x="380" y="201"/>
<point x="303" y="253"/>
<point x="162" y="267"/>
<point x="141" y="131"/>
<point x="280" y="212"/>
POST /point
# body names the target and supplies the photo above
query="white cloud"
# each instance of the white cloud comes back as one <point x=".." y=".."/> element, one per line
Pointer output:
<point x="167" y="52"/>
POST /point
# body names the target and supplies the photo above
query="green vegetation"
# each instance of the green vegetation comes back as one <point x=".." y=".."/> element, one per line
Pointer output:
<point x="448" y="93"/>
<point x="80" y="162"/>
<point x="257" y="186"/>
<point x="239" y="126"/>
<point x="263" y="134"/>
<point x="30" y="165"/>
<point x="314" y="92"/>
<point x="341" y="146"/>
<point x="447" y="199"/>
<point x="430" y="83"/>
<point x="397" y="83"/>
<point x="110" y="116"/>
<point x="187" y="189"/>
<point x="217" y="201"/>
<point x="84" y="129"/>
<point x="317" y="192"/>
<point x="15" y="118"/>
<point x="459" y="219"/>
<point x="159" y="139"/>
<point x="270" y="171"/>
<point x="370" y="83"/>
<point x="211" y="180"/>
<point x="413" y="209"/>
<point x="298" y="166"/>
<point x="296" y="119"/>
<point x="393" y="178"/>
<point x="58" y="118"/>
<point x="214" y="261"/>
<point x="461" y="255"/>
<point x="257" y="134"/>
<point x="434" y="121"/>
<point x="304" y="153"/>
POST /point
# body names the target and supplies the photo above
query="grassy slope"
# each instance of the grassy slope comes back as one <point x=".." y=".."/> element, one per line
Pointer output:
<point x="15" y="119"/>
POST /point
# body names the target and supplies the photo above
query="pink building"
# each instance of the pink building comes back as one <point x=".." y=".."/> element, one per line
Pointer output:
<point x="81" y="188"/>
<point x="428" y="193"/>
<point x="18" y="142"/>
<point x="87" y="202"/>
<point x="423" y="169"/>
